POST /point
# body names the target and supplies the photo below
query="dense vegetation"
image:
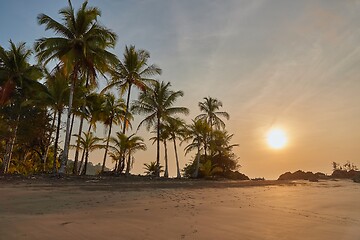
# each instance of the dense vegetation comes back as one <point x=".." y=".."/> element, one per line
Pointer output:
<point x="63" y="82"/>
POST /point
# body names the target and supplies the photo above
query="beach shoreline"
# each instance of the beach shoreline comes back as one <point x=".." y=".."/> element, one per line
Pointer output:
<point x="178" y="209"/>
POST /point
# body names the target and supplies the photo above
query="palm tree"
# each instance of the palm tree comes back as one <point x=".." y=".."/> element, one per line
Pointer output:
<point x="152" y="168"/>
<point x="88" y="143"/>
<point x="58" y="92"/>
<point x="198" y="133"/>
<point x="176" y="129"/>
<point x="134" y="143"/>
<point x="113" y="113"/>
<point x="210" y="106"/>
<point x="123" y="145"/>
<point x="93" y="110"/>
<point x="134" y="70"/>
<point x="18" y="80"/>
<point x="157" y="104"/>
<point x="81" y="47"/>
<point x="164" y="137"/>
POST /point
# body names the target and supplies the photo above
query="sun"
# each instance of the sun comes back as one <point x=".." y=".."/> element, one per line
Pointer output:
<point x="276" y="138"/>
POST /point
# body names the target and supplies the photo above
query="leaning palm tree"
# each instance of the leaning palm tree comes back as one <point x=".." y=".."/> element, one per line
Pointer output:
<point x="211" y="115"/>
<point x="88" y="143"/>
<point x="80" y="46"/>
<point x="18" y="81"/>
<point x="157" y="104"/>
<point x="113" y="112"/>
<point x="133" y="70"/>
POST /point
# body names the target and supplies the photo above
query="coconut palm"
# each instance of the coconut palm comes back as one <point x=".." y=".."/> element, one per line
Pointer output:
<point x="164" y="137"/>
<point x="88" y="143"/>
<point x="198" y="133"/>
<point x="211" y="115"/>
<point x="81" y="47"/>
<point x="58" y="92"/>
<point x="134" y="143"/>
<point x="133" y="70"/>
<point x="113" y="112"/>
<point x="123" y="145"/>
<point x="93" y="110"/>
<point x="176" y="129"/>
<point x="19" y="81"/>
<point x="157" y="104"/>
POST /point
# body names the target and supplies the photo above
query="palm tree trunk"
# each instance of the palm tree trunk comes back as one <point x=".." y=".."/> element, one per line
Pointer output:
<point x="56" y="141"/>
<point x="128" y="163"/>
<point x="86" y="162"/>
<point x="81" y="165"/>
<point x="127" y="109"/>
<point x="157" y="172"/>
<point x="178" y="175"/>
<point x="44" y="157"/>
<point x="166" y="173"/>
<point x="7" y="161"/>
<point x="67" y="135"/>
<point x="107" y="146"/>
<point x="78" y="146"/>
<point x="196" y="173"/>
<point x="121" y="167"/>
<point x="83" y="153"/>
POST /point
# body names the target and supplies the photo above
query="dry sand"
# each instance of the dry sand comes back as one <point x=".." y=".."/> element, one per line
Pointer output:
<point x="179" y="210"/>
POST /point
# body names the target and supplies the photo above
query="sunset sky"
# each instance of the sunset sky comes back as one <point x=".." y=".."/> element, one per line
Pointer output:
<point x="292" y="65"/>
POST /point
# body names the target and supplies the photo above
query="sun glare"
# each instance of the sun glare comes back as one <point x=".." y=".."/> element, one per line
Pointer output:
<point x="276" y="138"/>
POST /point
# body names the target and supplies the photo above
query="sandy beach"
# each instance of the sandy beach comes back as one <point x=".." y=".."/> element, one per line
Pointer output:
<point x="93" y="209"/>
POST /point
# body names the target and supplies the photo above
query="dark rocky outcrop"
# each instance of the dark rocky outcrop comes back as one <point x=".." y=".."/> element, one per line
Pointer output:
<point x="345" y="174"/>
<point x="235" y="175"/>
<point x="301" y="175"/>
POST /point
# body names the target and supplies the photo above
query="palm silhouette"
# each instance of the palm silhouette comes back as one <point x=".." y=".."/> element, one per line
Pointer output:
<point x="81" y="47"/>
<point x="123" y="145"/>
<point x="198" y="133"/>
<point x="175" y="127"/>
<point x="133" y="70"/>
<point x="157" y="104"/>
<point x="113" y="112"/>
<point x="211" y="115"/>
<point x="88" y="143"/>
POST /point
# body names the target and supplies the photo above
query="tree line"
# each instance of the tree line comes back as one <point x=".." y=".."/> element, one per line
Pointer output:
<point x="64" y="81"/>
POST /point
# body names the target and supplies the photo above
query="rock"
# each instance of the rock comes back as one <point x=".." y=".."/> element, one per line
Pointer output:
<point x="301" y="175"/>
<point x="235" y="175"/>
<point x="345" y="174"/>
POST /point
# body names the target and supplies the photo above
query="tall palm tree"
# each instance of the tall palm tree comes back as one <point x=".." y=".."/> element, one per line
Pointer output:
<point x="81" y="47"/>
<point x="157" y="104"/>
<point x="58" y="92"/>
<point x="93" y="110"/>
<point x="211" y="115"/>
<point x="113" y="113"/>
<point x="88" y="143"/>
<point x="198" y="133"/>
<point x="164" y="137"/>
<point x="19" y="81"/>
<point x="133" y="70"/>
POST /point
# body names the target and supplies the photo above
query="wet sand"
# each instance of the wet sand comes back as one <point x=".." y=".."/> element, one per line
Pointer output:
<point x="107" y="209"/>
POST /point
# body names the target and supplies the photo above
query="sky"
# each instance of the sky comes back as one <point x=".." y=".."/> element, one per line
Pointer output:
<point x="283" y="64"/>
